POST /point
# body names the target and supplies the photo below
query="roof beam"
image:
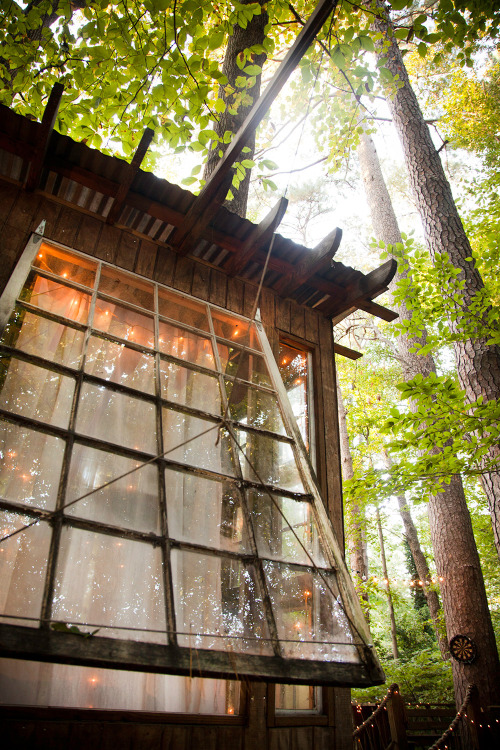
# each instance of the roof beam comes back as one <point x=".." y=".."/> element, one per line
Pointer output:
<point x="317" y="260"/>
<point x="364" y="288"/>
<point x="130" y="174"/>
<point x="200" y="214"/>
<point x="257" y="238"/>
<point x="345" y="351"/>
<point x="252" y="120"/>
<point x="378" y="310"/>
<point x="43" y="137"/>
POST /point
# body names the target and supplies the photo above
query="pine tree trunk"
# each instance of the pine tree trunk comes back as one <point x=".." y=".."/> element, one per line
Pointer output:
<point x="240" y="40"/>
<point x="478" y="365"/>
<point x="356" y="541"/>
<point x="457" y="561"/>
<point x="392" y="617"/>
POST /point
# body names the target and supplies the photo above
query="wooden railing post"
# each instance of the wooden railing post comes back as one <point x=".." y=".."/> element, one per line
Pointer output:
<point x="475" y="719"/>
<point x="397" y="721"/>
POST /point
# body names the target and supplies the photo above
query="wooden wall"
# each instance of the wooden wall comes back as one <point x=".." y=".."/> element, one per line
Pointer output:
<point x="20" y="215"/>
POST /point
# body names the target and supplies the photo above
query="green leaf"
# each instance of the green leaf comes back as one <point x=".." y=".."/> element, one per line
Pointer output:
<point x="220" y="106"/>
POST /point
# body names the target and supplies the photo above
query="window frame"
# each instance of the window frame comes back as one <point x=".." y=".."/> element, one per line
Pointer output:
<point x="47" y="645"/>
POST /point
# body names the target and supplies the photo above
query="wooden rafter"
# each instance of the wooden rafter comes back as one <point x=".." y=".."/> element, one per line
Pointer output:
<point x="43" y="137"/>
<point x="258" y="237"/>
<point x="314" y="262"/>
<point x="260" y="108"/>
<point x="345" y="351"/>
<point x="378" y="310"/>
<point x="128" y="179"/>
<point x="364" y="288"/>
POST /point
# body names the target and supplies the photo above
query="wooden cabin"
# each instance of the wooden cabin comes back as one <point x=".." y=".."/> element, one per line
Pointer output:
<point x="171" y="546"/>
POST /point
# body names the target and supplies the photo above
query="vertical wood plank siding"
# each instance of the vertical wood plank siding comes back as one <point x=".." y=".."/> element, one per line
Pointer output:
<point x="20" y="215"/>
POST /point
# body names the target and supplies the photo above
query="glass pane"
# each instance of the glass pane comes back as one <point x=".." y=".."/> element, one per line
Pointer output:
<point x="40" y="684"/>
<point x="117" y="418"/>
<point x="293" y="366"/>
<point x="207" y="512"/>
<point x="285" y="529"/>
<point x="67" y="265"/>
<point x="30" y="466"/>
<point x="254" y="407"/>
<point x="268" y="461"/>
<point x="56" y="298"/>
<point x="130" y="502"/>
<point x="120" y="364"/>
<point x="183" y="344"/>
<point x="35" y="391"/>
<point x="23" y="561"/>
<point x="44" y="338"/>
<point x="190" y="388"/>
<point x="310" y="620"/>
<point x="205" y="451"/>
<point x="243" y="365"/>
<point x="242" y="332"/>
<point x="218" y="596"/>
<point x="109" y="583"/>
<point x="185" y="310"/>
<point x="124" y="323"/>
<point x="298" y="698"/>
<point x="127" y="288"/>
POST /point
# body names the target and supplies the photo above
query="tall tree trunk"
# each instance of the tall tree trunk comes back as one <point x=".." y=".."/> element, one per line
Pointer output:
<point x="422" y="567"/>
<point x="457" y="561"/>
<point x="240" y="40"/>
<point x="355" y="533"/>
<point x="392" y="617"/>
<point x="478" y="365"/>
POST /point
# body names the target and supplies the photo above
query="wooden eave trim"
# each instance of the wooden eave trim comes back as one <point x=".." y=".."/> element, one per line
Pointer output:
<point x="384" y="313"/>
<point x="345" y="351"/>
<point x="317" y="260"/>
<point x="258" y="237"/>
<point x="363" y="288"/>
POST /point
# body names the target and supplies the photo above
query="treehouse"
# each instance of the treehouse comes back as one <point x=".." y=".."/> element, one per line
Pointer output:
<point x="171" y="536"/>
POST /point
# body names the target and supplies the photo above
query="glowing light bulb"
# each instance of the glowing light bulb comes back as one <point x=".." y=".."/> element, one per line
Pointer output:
<point x="40" y="255"/>
<point x="230" y="710"/>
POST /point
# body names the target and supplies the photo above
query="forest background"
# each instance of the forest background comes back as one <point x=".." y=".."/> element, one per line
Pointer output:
<point x="413" y="430"/>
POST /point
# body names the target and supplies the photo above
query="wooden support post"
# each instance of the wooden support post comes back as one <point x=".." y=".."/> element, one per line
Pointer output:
<point x="43" y="137"/>
<point x="316" y="261"/>
<point x="475" y="719"/>
<point x="131" y="172"/>
<point x="397" y="721"/>
<point x="257" y="238"/>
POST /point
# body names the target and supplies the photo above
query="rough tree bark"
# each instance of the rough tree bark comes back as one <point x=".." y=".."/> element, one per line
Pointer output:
<point x="457" y="561"/>
<point x="240" y="40"/>
<point x="356" y="541"/>
<point x="478" y="365"/>
<point x="392" y="616"/>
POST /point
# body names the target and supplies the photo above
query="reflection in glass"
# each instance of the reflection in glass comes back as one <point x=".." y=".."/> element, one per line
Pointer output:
<point x="45" y="338"/>
<point x="183" y="344"/>
<point x="196" y="442"/>
<point x="309" y="615"/>
<point x="64" y="264"/>
<point x="204" y="511"/>
<point x="285" y="529"/>
<point x="124" y="323"/>
<point x="30" y="465"/>
<point x="127" y="288"/>
<point x="254" y="407"/>
<point x="117" y="418"/>
<point x="190" y="388"/>
<point x="56" y="298"/>
<point x="120" y="364"/>
<point x="242" y="332"/>
<point x="298" y="698"/>
<point x="112" y="582"/>
<point x="268" y="461"/>
<point x="130" y="502"/>
<point x="184" y="310"/>
<point x="218" y="596"/>
<point x="40" y="684"/>
<point x="293" y="366"/>
<point x="23" y="560"/>
<point x="36" y="392"/>
<point x="243" y="365"/>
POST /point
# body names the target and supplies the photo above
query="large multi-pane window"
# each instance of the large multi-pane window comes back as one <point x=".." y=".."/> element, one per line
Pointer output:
<point x="152" y="467"/>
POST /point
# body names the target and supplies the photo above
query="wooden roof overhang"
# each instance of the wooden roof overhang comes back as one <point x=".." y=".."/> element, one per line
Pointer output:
<point x="36" y="156"/>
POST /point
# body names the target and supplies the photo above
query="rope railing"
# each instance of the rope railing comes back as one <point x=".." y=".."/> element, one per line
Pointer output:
<point x="370" y="721"/>
<point x="447" y="734"/>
